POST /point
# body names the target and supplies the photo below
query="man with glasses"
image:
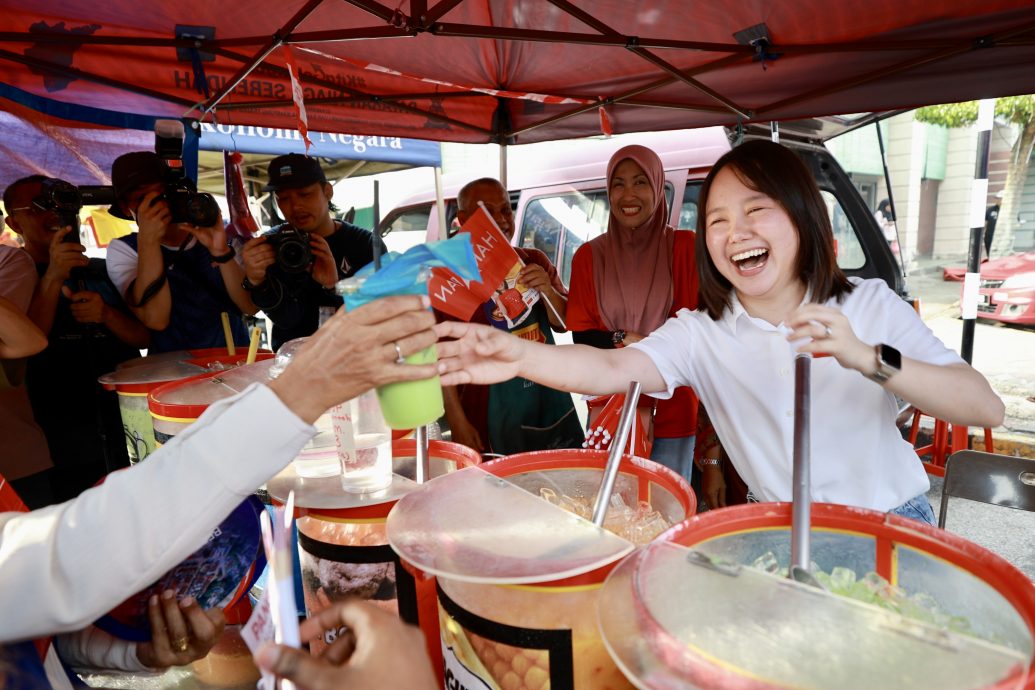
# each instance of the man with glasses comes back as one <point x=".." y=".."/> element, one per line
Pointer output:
<point x="90" y="331"/>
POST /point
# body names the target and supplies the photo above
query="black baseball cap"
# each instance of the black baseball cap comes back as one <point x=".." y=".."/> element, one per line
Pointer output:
<point x="133" y="170"/>
<point x="293" y="171"/>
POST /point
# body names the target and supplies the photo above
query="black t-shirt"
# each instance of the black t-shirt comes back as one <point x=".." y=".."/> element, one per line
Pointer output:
<point x="80" y="419"/>
<point x="293" y="300"/>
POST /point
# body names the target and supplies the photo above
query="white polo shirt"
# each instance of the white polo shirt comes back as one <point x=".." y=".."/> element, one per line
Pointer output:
<point x="742" y="368"/>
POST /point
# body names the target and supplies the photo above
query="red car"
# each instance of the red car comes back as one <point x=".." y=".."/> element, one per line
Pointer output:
<point x="1007" y="290"/>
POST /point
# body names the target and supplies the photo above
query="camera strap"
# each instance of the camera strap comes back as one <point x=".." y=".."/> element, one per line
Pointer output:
<point x="151" y="290"/>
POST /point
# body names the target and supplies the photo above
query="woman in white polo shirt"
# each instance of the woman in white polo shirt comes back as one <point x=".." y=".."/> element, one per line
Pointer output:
<point x="770" y="287"/>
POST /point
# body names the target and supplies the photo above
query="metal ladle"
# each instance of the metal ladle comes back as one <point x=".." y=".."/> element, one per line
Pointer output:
<point x="614" y="457"/>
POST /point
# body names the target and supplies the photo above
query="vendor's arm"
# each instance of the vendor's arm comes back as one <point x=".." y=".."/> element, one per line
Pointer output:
<point x="955" y="392"/>
<point x="77" y="560"/>
<point x="482" y="354"/>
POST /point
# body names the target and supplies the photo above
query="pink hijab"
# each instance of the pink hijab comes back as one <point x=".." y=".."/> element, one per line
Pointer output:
<point x="632" y="269"/>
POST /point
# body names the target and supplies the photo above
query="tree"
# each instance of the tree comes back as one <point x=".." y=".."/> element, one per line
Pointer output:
<point x="1018" y="110"/>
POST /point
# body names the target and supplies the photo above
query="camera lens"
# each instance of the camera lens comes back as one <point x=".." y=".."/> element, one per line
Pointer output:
<point x="202" y="210"/>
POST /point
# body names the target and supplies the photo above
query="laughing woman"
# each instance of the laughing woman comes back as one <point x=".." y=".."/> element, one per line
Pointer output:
<point x="769" y="276"/>
<point x="625" y="283"/>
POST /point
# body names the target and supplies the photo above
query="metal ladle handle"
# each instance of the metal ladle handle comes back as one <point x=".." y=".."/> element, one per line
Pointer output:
<point x="614" y="458"/>
<point x="801" y="508"/>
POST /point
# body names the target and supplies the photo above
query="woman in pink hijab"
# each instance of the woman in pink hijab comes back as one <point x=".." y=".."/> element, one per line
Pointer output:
<point x="627" y="282"/>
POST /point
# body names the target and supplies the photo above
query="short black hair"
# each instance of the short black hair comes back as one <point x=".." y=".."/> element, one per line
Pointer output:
<point x="780" y="174"/>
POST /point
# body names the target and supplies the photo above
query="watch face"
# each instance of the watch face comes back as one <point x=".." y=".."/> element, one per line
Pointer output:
<point x="891" y="357"/>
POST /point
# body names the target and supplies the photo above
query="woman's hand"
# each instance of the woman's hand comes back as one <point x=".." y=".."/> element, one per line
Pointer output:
<point x="632" y="337"/>
<point x="181" y="632"/>
<point x="477" y="354"/>
<point x="830" y="334"/>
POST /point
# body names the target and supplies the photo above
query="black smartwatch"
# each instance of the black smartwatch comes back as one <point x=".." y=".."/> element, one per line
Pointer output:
<point x="888" y="363"/>
<point x="224" y="258"/>
<point x="617" y="338"/>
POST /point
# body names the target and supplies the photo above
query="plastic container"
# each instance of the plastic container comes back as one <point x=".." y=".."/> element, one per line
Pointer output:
<point x="687" y="612"/>
<point x="133" y="384"/>
<point x="342" y="543"/>
<point x="519" y="577"/>
<point x="174" y="406"/>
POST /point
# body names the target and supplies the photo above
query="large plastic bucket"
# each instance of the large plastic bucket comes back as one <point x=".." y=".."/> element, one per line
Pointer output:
<point x="969" y="615"/>
<point x="175" y="405"/>
<point x="345" y="553"/>
<point x="133" y="384"/>
<point x="524" y="635"/>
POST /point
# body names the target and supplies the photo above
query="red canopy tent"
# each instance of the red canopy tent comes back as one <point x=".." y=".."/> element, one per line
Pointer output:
<point x="512" y="71"/>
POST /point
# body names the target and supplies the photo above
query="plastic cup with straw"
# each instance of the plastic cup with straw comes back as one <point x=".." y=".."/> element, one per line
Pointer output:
<point x="230" y="349"/>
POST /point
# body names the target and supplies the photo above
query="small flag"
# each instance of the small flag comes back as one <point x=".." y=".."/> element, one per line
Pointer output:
<point x="296" y="96"/>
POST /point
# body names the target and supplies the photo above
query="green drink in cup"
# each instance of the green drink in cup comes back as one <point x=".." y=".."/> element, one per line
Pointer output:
<point x="406" y="404"/>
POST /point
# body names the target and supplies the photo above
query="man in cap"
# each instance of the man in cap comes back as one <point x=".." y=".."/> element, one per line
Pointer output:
<point x="291" y="271"/>
<point x="177" y="278"/>
<point x="90" y="331"/>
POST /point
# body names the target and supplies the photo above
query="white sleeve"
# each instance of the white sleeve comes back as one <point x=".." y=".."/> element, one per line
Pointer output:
<point x="671" y="349"/>
<point x="92" y="648"/>
<point x="122" y="265"/>
<point x="893" y="321"/>
<point x="65" y="565"/>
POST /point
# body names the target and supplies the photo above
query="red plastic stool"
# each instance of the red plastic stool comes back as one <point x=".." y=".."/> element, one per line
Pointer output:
<point x="946" y="440"/>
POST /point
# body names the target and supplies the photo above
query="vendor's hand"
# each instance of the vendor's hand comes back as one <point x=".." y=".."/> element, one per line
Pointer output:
<point x="377" y="651"/>
<point x="713" y="486"/>
<point x="463" y="432"/>
<point x="632" y="337"/>
<point x="64" y="256"/>
<point x="258" y="256"/>
<point x="831" y="334"/>
<point x="356" y="351"/>
<point x="152" y="217"/>
<point x="181" y="632"/>
<point x="477" y="354"/>
<point x="212" y="237"/>
<point x="86" y="306"/>
<point x="535" y="276"/>
<point x="324" y="269"/>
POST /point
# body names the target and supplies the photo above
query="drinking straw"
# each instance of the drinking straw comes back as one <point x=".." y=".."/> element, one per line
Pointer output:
<point x="230" y="349"/>
<point x="253" y="345"/>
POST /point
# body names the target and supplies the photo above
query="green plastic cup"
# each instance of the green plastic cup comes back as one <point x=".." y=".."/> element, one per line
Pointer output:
<point x="409" y="404"/>
<point x="406" y="404"/>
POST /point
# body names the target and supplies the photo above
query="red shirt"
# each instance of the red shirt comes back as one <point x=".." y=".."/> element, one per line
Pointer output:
<point x="677" y="416"/>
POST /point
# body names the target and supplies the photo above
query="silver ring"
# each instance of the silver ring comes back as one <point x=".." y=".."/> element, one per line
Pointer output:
<point x="829" y="333"/>
<point x="398" y="354"/>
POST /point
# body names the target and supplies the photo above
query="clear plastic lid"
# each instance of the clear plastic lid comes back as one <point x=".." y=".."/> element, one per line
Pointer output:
<point x="672" y="617"/>
<point x="152" y="372"/>
<point x="476" y="527"/>
<point x="210" y="389"/>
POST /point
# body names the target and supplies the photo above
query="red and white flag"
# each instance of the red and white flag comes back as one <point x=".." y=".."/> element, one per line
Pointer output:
<point x="296" y="96"/>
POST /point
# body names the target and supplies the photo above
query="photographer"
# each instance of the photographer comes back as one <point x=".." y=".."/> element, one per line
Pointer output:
<point x="177" y="276"/>
<point x="90" y="332"/>
<point x="291" y="270"/>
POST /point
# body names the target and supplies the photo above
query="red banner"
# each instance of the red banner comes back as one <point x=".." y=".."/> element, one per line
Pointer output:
<point x="496" y="259"/>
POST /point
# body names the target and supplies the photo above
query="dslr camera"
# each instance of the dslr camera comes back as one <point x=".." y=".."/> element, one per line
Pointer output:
<point x="64" y="201"/>
<point x="291" y="249"/>
<point x="186" y="203"/>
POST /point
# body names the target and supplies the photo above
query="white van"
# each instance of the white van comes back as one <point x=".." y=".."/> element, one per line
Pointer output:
<point x="563" y="203"/>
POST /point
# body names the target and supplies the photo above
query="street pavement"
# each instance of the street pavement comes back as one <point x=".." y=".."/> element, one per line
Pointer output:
<point x="1006" y="356"/>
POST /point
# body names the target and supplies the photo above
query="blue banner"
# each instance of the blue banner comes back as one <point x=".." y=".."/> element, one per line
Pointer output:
<point x="269" y="140"/>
